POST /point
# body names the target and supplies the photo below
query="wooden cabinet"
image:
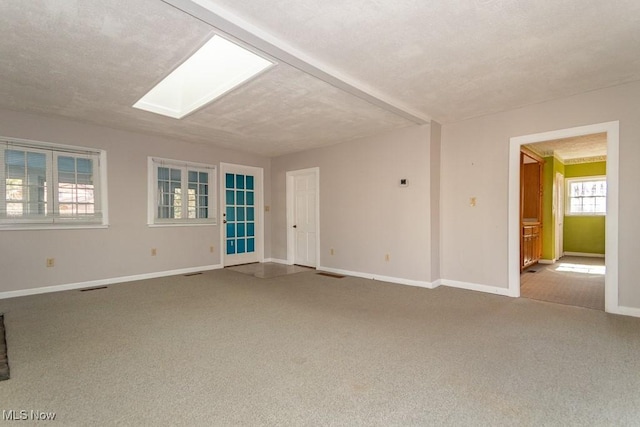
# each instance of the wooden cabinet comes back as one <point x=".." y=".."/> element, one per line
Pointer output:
<point x="531" y="250"/>
<point x="531" y="182"/>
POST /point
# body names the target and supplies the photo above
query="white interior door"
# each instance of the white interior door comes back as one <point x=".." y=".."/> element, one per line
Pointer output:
<point x="559" y="215"/>
<point x="302" y="188"/>
<point x="242" y="228"/>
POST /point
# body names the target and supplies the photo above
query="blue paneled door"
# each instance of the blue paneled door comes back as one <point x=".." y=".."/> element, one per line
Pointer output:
<point x="239" y="218"/>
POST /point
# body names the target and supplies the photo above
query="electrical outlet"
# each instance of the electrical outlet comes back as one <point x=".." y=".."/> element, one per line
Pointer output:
<point x="211" y="249"/>
<point x="51" y="262"/>
<point x="387" y="257"/>
<point x="154" y="252"/>
<point x="331" y="251"/>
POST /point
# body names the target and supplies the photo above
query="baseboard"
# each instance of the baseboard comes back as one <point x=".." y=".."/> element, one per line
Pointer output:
<point x="400" y="281"/>
<point x="476" y="287"/>
<point x="546" y="261"/>
<point x="626" y="311"/>
<point x="584" y="254"/>
<point x="277" y="261"/>
<point x="103" y="282"/>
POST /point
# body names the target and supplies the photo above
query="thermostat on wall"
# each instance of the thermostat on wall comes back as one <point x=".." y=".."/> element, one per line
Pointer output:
<point x="404" y="182"/>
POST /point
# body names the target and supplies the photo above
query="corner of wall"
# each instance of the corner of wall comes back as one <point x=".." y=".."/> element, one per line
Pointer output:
<point x="435" y="172"/>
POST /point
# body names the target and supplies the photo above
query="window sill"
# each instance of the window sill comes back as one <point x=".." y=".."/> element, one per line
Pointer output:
<point x="29" y="227"/>
<point x="175" y="224"/>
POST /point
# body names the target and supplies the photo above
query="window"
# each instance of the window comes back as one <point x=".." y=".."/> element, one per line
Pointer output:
<point x="587" y="196"/>
<point x="50" y="185"/>
<point x="181" y="193"/>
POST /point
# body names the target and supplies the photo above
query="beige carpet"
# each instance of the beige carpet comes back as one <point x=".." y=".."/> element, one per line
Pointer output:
<point x="572" y="280"/>
<point x="226" y="348"/>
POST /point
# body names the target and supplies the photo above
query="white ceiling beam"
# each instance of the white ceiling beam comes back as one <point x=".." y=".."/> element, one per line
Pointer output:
<point x="207" y="11"/>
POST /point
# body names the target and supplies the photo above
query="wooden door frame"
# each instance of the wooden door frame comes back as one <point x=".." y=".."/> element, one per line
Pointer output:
<point x="259" y="206"/>
<point x="290" y="189"/>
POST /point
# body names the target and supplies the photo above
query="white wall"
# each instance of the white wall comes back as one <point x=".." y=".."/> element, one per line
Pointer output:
<point x="124" y="249"/>
<point x="364" y="213"/>
<point x="475" y="164"/>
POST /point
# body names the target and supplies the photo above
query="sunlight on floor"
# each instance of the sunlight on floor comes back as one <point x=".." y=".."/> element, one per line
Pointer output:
<point x="581" y="268"/>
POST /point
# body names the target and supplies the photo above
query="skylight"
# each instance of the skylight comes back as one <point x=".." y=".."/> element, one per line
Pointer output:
<point x="215" y="69"/>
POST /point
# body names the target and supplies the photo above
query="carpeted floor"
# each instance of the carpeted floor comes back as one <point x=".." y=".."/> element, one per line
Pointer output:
<point x="227" y="348"/>
<point x="572" y="280"/>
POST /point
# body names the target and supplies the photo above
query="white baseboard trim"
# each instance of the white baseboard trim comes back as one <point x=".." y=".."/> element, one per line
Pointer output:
<point x="400" y="281"/>
<point x="277" y="261"/>
<point x="477" y="287"/>
<point x="626" y="311"/>
<point x="103" y="282"/>
<point x="546" y="261"/>
<point x="584" y="254"/>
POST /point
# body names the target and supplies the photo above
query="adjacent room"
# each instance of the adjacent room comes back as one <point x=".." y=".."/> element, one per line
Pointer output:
<point x="564" y="189"/>
<point x="219" y="212"/>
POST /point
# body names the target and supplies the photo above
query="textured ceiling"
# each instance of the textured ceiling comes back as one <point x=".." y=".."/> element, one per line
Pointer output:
<point x="575" y="149"/>
<point x="92" y="61"/>
<point x="450" y="60"/>
<point x="457" y="59"/>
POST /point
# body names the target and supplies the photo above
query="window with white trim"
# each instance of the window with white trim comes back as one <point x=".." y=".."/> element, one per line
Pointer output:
<point x="181" y="193"/>
<point x="49" y="185"/>
<point x="587" y="196"/>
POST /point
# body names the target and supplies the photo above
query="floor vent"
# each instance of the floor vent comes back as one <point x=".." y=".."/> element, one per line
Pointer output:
<point x="93" y="289"/>
<point x="192" y="274"/>
<point x="335" y="276"/>
<point x="532" y="271"/>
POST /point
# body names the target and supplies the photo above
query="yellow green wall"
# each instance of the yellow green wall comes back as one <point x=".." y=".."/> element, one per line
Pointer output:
<point x="584" y="233"/>
<point x="551" y="167"/>
<point x="585" y="169"/>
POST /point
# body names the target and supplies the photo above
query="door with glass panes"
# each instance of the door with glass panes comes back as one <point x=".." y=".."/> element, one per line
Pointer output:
<point x="241" y="219"/>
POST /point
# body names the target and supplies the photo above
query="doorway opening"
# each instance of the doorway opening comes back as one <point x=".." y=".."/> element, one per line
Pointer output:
<point x="577" y="265"/>
<point x="564" y="260"/>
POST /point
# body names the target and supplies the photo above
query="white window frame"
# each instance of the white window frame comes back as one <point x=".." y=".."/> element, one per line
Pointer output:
<point x="52" y="219"/>
<point x="153" y="163"/>
<point x="569" y="181"/>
